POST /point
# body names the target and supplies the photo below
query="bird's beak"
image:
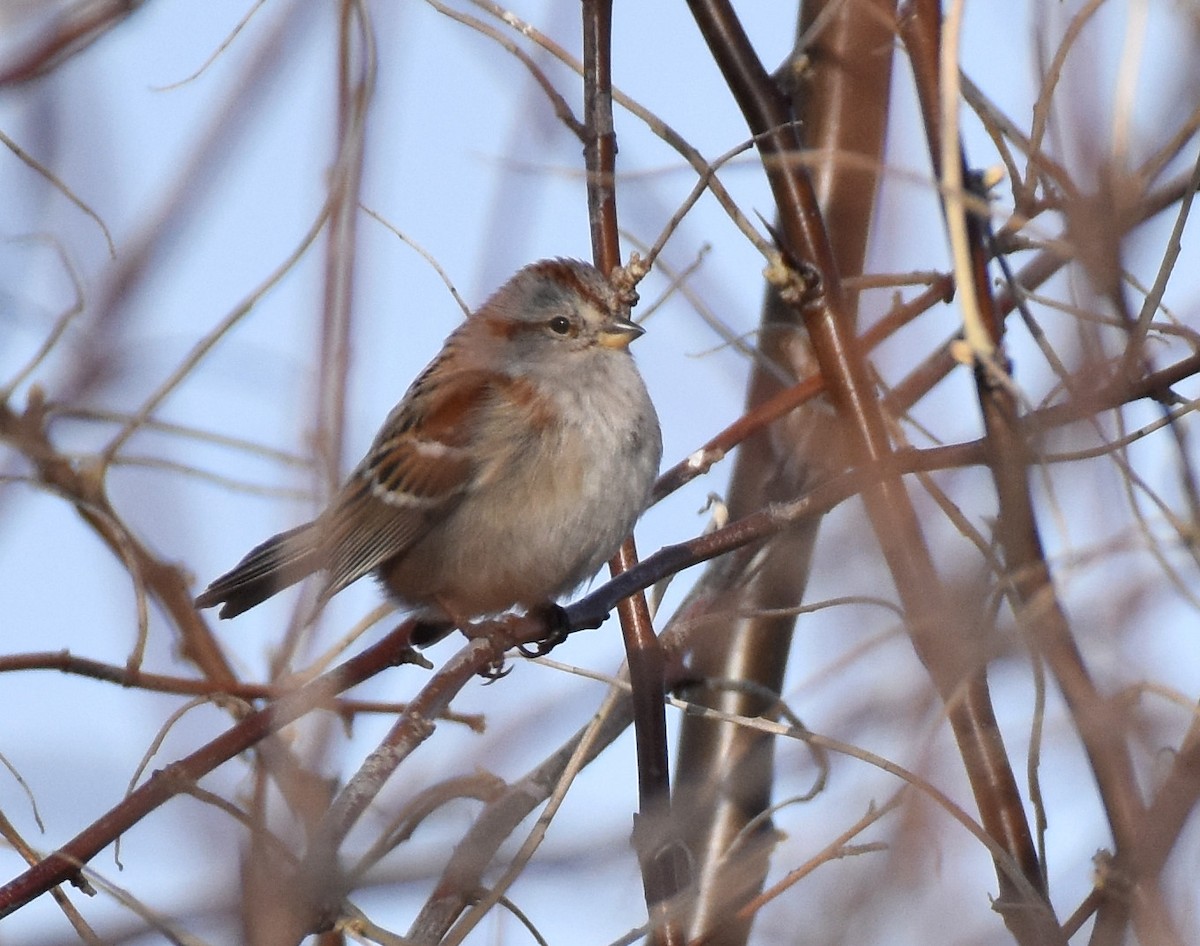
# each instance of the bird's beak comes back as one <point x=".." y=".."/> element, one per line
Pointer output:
<point x="619" y="333"/>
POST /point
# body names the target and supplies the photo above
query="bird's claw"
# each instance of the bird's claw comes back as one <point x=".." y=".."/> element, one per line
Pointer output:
<point x="496" y="670"/>
<point x="559" y="629"/>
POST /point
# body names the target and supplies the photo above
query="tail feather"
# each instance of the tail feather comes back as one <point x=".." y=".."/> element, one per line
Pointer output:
<point x="278" y="563"/>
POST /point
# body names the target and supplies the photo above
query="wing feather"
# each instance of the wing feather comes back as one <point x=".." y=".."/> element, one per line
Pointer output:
<point x="420" y="467"/>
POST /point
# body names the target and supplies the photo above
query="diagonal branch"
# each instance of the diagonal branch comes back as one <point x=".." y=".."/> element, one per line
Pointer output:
<point x="949" y="656"/>
<point x="838" y="82"/>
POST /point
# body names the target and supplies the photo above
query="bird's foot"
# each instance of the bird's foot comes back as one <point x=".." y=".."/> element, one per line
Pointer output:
<point x="558" y="628"/>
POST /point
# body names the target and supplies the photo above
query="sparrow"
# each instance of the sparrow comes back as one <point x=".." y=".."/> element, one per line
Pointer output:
<point x="511" y="470"/>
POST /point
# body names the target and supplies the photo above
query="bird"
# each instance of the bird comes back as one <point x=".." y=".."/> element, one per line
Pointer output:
<point x="513" y="467"/>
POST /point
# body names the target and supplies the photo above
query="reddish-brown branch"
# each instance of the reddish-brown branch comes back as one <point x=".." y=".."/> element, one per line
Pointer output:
<point x="837" y="88"/>
<point x="600" y="140"/>
<point x="662" y="875"/>
<point x="1002" y="808"/>
<point x="783" y="402"/>
<point x="133" y="678"/>
<point x="942" y="647"/>
<point x="63" y="865"/>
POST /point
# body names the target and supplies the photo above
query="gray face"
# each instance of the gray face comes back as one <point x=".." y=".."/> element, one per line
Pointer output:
<point x="560" y="306"/>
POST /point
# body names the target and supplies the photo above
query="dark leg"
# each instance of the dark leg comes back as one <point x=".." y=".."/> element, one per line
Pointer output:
<point x="558" y="628"/>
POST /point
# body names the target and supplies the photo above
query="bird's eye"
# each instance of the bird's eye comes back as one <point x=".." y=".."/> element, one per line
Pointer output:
<point x="560" y="325"/>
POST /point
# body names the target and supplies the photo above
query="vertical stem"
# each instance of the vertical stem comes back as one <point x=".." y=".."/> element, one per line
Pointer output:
<point x="356" y="77"/>
<point x="1100" y="726"/>
<point x="662" y="869"/>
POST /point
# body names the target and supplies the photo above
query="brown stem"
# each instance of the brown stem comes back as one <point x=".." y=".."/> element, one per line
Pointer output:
<point x="949" y="656"/>
<point x="920" y="28"/>
<point x="131" y="678"/>
<point x="1099" y="725"/>
<point x="663" y="872"/>
<point x="837" y="81"/>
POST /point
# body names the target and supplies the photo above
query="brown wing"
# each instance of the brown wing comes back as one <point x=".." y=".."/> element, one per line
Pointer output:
<point x="419" y="468"/>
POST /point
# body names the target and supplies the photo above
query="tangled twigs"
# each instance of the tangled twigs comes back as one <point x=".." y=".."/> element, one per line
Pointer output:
<point x="484" y="650"/>
<point x="82" y="484"/>
<point x="63" y="865"/>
